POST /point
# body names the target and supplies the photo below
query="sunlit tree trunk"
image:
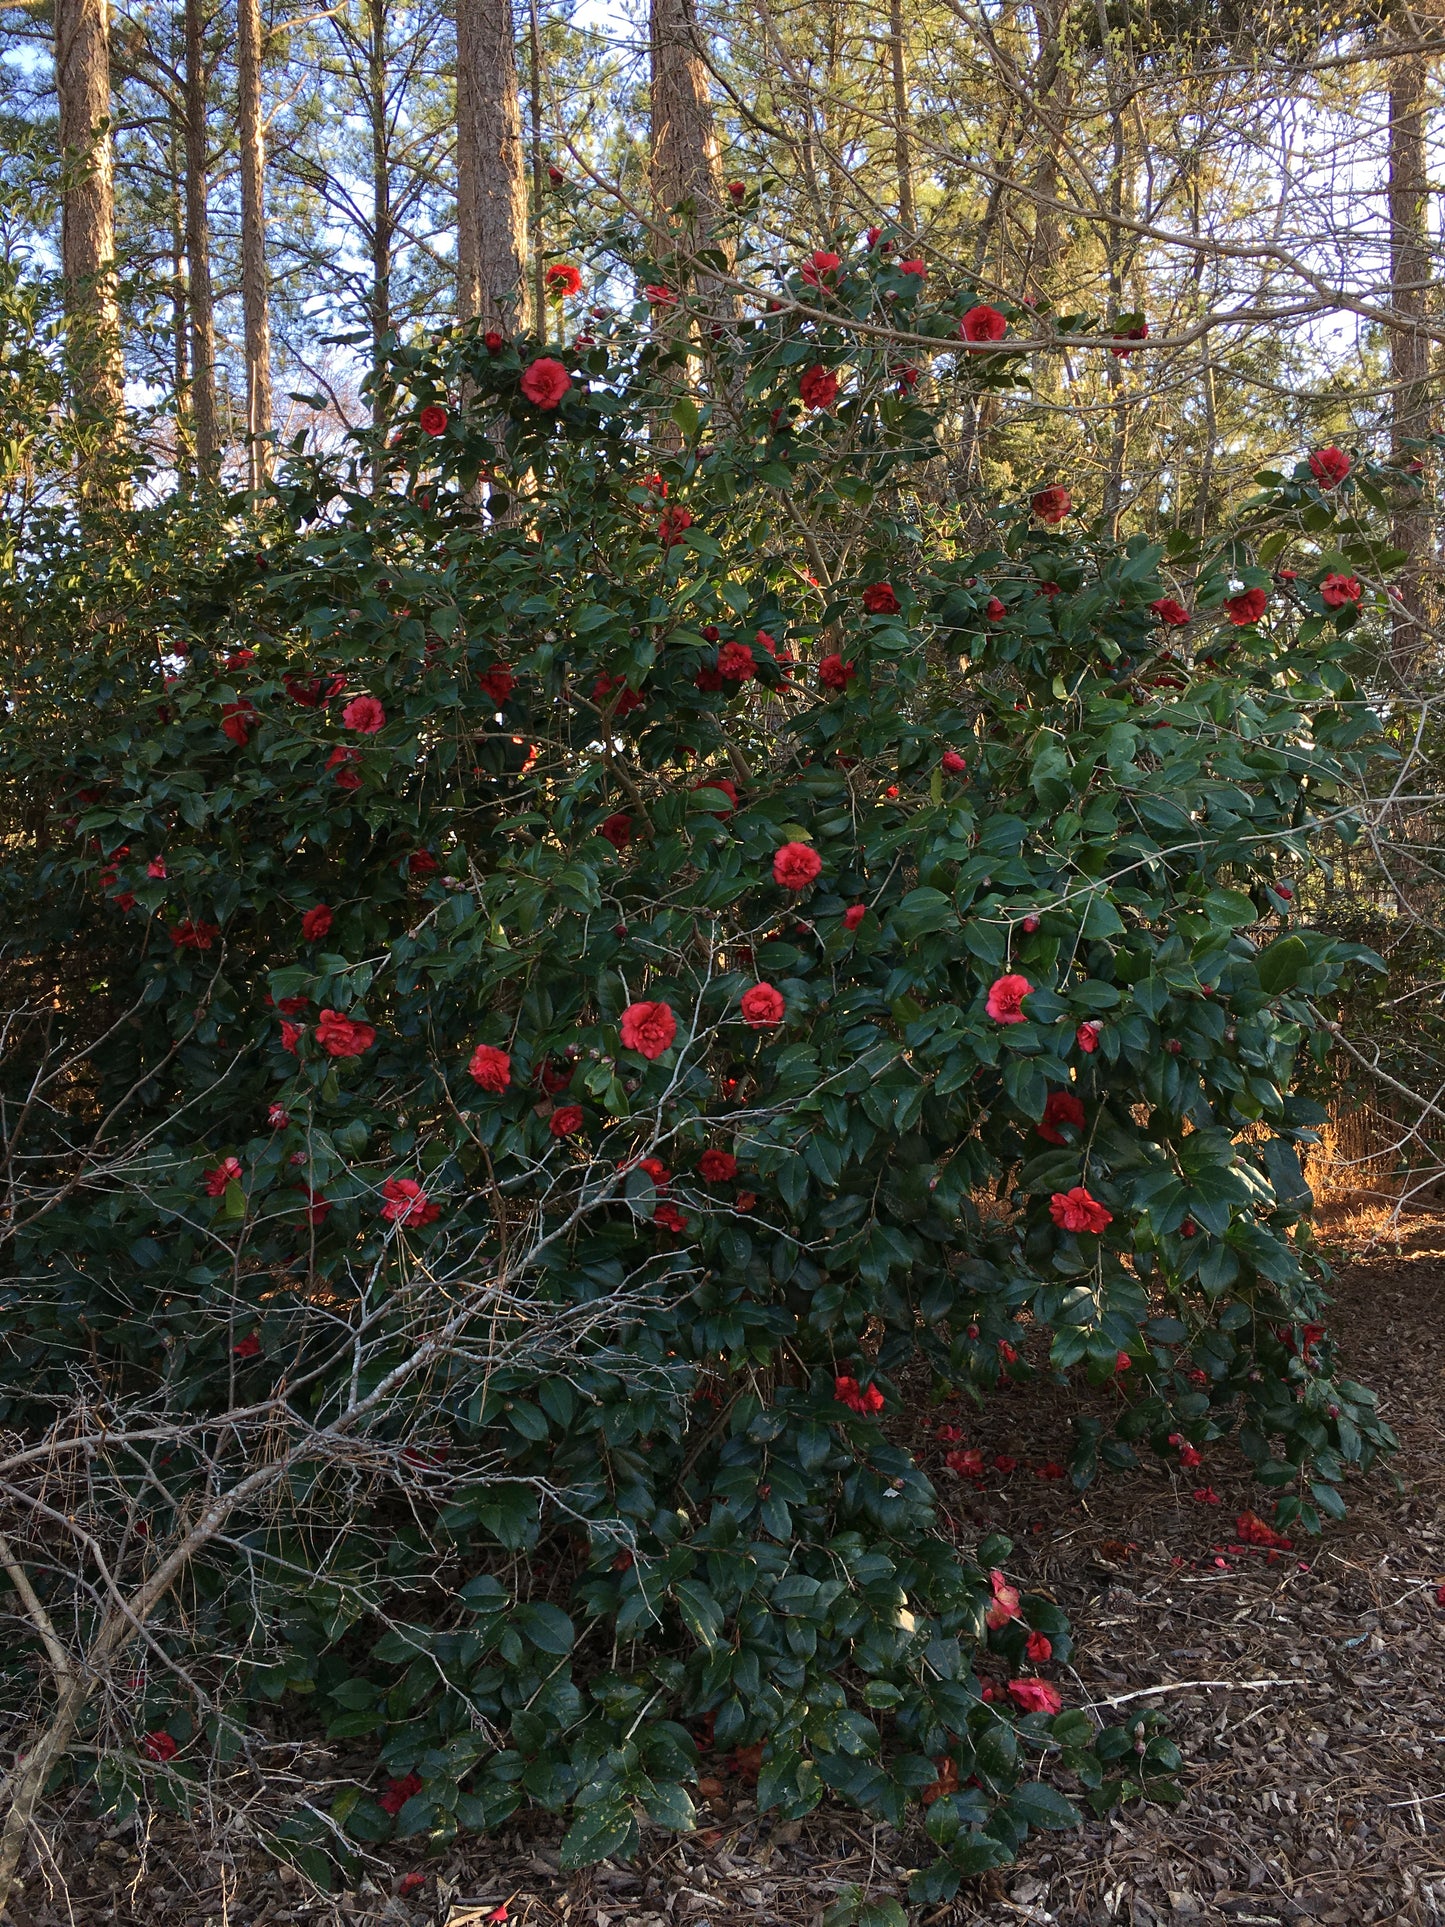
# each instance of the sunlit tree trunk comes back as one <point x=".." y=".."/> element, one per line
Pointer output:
<point x="87" y="218"/>
<point x="491" y="184"/>
<point x="255" y="302"/>
<point x="1410" y="417"/>
<point x="686" y="191"/>
<point x="382" y="224"/>
<point x="198" y="247"/>
<point x="902" y="139"/>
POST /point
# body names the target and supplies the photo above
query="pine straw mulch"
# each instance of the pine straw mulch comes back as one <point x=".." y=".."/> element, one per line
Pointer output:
<point x="1318" y="1795"/>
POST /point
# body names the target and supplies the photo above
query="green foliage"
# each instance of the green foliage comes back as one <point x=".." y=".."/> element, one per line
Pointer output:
<point x="580" y="1447"/>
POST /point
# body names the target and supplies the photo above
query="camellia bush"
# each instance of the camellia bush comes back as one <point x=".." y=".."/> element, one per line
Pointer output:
<point x="557" y="978"/>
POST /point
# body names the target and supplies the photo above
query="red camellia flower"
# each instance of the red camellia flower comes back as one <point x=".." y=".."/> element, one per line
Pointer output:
<point x="818" y="387"/>
<point x="545" y="381"/>
<point x="983" y="323"/>
<point x="497" y="682"/>
<point x="819" y="267"/>
<point x="660" y="297"/>
<point x="1255" y="1531"/>
<point x="236" y="721"/>
<point x="1205" y="1495"/>
<point x="343" y="761"/>
<point x="723" y="783"/>
<point x="717" y="1167"/>
<point x="1338" y="590"/>
<point x="1005" y="999"/>
<point x="317" y="922"/>
<point x="1038" y="1649"/>
<point x="796" y="865"/>
<point x="312" y="691"/>
<point x="228" y="1171"/>
<point x="291" y="1035"/>
<point x="249" y="1347"/>
<point x="342" y="1036"/>
<point x="434" y="419"/>
<point x="674" y="524"/>
<point x="396" y="1793"/>
<point x="1087" y="1037"/>
<point x="1060" y="1107"/>
<point x="627" y="699"/>
<point x="365" y="715"/>
<point x="492" y="341"/>
<point x="736" y="662"/>
<point x="1171" y="613"/>
<point x="156" y="867"/>
<point x="566" y="1119"/>
<point x="1076" y="1211"/>
<point x="1329" y="466"/>
<point x="1007" y="1353"/>
<point x="737" y="190"/>
<point x="317" y="1208"/>
<point x="914" y="267"/>
<point x="407" y="1203"/>
<point x="1050" y="1469"/>
<point x="968" y="1462"/>
<point x="867" y="1401"/>
<point x="834" y="673"/>
<point x="670" y="1218"/>
<point x="879" y="599"/>
<point x="491" y="1068"/>
<point x="1035" y="1695"/>
<point x="1051" y="504"/>
<point x="1189" y="1455"/>
<point x="648" y="1029"/>
<point x="278" y="1117"/>
<point x="617" y="828"/>
<point x="1005" y="1605"/>
<point x="1247" y="607"/>
<point x="854" y="915"/>
<point x="159" y="1746"/>
<point x="562" y="279"/>
<point x="995" y="612"/>
<point x="1139" y="332"/>
<point x="762" y="1006"/>
<point x="952" y="764"/>
<point x="194" y="935"/>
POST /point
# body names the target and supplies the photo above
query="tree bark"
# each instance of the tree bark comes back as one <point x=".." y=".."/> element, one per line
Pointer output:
<point x="902" y="140"/>
<point x="382" y="220"/>
<point x="1410" y="415"/>
<point x="198" y="247"/>
<point x="254" y="293"/>
<point x="491" y="187"/>
<point x="87" y="214"/>
<point x="686" y="190"/>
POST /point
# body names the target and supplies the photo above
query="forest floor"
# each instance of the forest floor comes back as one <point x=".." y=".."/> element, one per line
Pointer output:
<point x="1314" y="1775"/>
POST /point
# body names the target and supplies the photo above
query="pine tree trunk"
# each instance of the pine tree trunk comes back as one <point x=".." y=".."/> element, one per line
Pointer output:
<point x="1410" y="418"/>
<point x="87" y="217"/>
<point x="491" y="188"/>
<point x="180" y="307"/>
<point x="685" y="188"/>
<point x="198" y="248"/>
<point x="902" y="141"/>
<point x="254" y="296"/>
<point x="383" y="223"/>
